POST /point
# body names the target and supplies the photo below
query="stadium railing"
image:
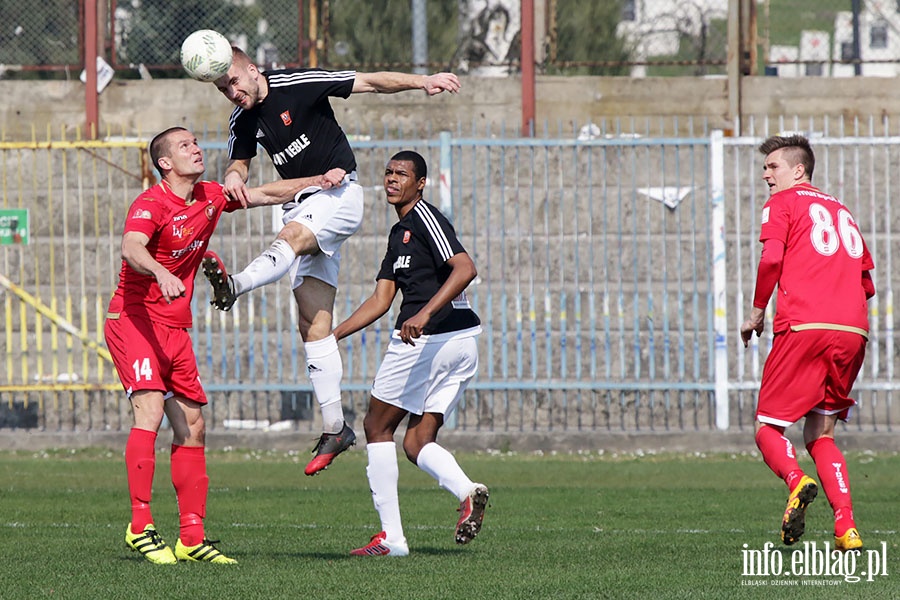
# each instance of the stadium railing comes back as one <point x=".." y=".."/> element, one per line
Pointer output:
<point x="614" y="270"/>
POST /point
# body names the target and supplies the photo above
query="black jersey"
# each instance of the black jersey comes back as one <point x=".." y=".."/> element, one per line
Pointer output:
<point x="296" y="124"/>
<point x="419" y="246"/>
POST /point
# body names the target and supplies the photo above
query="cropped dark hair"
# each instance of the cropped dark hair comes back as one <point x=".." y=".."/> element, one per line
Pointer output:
<point x="416" y="159"/>
<point x="798" y="150"/>
<point x="159" y="146"/>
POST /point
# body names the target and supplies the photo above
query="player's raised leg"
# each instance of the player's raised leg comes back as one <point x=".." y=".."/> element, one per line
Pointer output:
<point x="267" y="268"/>
<point x="222" y="284"/>
<point x="274" y="263"/>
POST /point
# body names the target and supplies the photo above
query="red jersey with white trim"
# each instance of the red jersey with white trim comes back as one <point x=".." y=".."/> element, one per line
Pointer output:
<point x="824" y="259"/>
<point x="179" y="235"/>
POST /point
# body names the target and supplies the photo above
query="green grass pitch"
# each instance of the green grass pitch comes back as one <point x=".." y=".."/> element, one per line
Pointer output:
<point x="562" y="526"/>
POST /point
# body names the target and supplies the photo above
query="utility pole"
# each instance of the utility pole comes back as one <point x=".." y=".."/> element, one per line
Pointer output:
<point x="419" y="37"/>
<point x="857" y="62"/>
<point x="734" y="59"/>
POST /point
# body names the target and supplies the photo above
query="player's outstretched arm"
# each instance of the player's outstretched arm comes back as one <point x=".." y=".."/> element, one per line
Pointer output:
<point x="279" y="192"/>
<point x="235" y="181"/>
<point x="391" y="82"/>
<point x="369" y="311"/>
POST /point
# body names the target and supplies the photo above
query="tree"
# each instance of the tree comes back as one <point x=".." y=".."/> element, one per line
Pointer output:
<point x="39" y="33"/>
<point x="280" y="33"/>
<point x="363" y="33"/>
<point x="152" y="30"/>
<point x="586" y="32"/>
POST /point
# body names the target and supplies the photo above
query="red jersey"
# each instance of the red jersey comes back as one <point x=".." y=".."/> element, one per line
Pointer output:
<point x="824" y="259"/>
<point x="179" y="234"/>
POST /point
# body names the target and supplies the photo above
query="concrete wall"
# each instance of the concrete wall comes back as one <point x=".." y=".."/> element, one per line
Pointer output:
<point x="525" y="442"/>
<point x="144" y="107"/>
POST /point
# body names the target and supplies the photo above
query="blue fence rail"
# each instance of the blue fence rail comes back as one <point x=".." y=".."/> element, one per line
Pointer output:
<point x="598" y="289"/>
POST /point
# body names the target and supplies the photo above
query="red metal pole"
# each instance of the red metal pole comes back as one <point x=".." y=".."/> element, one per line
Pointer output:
<point x="91" y="101"/>
<point x="527" y="61"/>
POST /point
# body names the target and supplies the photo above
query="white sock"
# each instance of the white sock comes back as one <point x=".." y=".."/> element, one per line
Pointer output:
<point x="384" y="475"/>
<point x="440" y="464"/>
<point x="268" y="267"/>
<point x="325" y="368"/>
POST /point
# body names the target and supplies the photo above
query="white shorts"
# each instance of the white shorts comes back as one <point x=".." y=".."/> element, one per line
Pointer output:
<point x="430" y="376"/>
<point x="333" y="216"/>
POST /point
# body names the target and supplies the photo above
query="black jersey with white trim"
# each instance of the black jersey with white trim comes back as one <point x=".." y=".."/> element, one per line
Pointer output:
<point x="295" y="123"/>
<point x="419" y="246"/>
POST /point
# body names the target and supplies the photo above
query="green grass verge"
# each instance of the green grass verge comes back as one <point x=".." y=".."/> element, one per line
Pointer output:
<point x="788" y="18"/>
<point x="566" y="526"/>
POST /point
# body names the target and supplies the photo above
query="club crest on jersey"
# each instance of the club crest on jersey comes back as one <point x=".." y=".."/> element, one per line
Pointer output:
<point x="286" y="117"/>
<point x="210" y="212"/>
<point x="406" y="236"/>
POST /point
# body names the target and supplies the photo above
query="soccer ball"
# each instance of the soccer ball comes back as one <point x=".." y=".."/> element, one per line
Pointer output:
<point x="206" y="55"/>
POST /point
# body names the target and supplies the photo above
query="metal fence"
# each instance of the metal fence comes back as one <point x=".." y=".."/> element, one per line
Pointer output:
<point x="624" y="37"/>
<point x="614" y="271"/>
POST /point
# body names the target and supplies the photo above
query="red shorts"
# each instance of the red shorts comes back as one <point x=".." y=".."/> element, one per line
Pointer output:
<point x="810" y="370"/>
<point x="153" y="356"/>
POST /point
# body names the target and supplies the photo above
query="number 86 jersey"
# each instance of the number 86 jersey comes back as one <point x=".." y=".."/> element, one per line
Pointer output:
<point x="820" y="286"/>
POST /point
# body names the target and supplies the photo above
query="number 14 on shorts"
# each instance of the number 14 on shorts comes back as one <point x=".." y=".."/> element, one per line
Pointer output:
<point x="143" y="369"/>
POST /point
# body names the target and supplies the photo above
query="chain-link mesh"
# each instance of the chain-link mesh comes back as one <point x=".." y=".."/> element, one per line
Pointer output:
<point x="40" y="35"/>
<point x="830" y="38"/>
<point x="481" y="37"/>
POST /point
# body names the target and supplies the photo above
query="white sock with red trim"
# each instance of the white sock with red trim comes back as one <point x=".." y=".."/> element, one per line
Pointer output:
<point x="440" y="464"/>
<point x="384" y="474"/>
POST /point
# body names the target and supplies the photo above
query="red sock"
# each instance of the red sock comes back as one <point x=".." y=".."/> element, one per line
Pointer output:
<point x="140" y="463"/>
<point x="778" y="453"/>
<point x="832" y="470"/>
<point x="191" y="486"/>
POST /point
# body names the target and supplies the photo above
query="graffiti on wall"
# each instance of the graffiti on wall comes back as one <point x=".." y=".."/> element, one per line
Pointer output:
<point x="490" y="37"/>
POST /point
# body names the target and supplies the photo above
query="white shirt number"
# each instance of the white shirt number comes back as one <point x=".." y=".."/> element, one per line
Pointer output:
<point x="142" y="369"/>
<point x="826" y="239"/>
